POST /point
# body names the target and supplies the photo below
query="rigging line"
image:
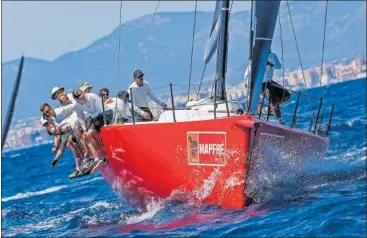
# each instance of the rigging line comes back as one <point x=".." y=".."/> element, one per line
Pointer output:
<point x="201" y="81"/>
<point x="192" y="49"/>
<point x="118" y="58"/>
<point x="150" y="26"/>
<point x="295" y="38"/>
<point x="281" y="44"/>
<point x="202" y="75"/>
<point x="323" y="42"/>
<point x="250" y="54"/>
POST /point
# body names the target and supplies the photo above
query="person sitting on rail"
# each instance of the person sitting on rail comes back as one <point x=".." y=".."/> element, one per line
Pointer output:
<point x="92" y="104"/>
<point x="274" y="93"/>
<point x="45" y="124"/>
<point x="87" y="88"/>
<point x="56" y="92"/>
<point x="122" y="108"/>
<point x="103" y="94"/>
<point x="63" y="136"/>
<point x="64" y="113"/>
<point x="140" y="91"/>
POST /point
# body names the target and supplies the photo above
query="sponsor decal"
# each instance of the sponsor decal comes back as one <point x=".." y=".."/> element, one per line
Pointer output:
<point x="206" y="148"/>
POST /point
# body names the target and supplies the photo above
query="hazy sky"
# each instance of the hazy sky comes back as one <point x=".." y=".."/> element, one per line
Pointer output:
<point x="47" y="30"/>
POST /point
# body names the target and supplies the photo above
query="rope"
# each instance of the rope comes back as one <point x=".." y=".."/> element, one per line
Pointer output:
<point x="192" y="49"/>
<point x="323" y="42"/>
<point x="281" y="45"/>
<point x="201" y="81"/>
<point x="295" y="38"/>
<point x="150" y="26"/>
<point x="118" y="58"/>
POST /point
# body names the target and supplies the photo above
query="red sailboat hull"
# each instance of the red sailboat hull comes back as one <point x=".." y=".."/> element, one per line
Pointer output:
<point x="204" y="161"/>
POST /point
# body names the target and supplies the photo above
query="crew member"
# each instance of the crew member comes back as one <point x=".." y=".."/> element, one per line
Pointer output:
<point x="56" y="92"/>
<point x="274" y="93"/>
<point x="86" y="87"/>
<point x="103" y="94"/>
<point x="61" y="114"/>
<point x="121" y="107"/>
<point x="140" y="91"/>
<point x="63" y="137"/>
<point x="92" y="104"/>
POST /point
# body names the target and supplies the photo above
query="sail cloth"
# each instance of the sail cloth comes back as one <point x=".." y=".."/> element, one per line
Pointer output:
<point x="9" y="114"/>
<point x="212" y="43"/>
<point x="266" y="13"/>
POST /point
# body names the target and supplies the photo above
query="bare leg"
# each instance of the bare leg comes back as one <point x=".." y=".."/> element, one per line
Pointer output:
<point x="276" y="110"/>
<point x="83" y="143"/>
<point x="76" y="153"/>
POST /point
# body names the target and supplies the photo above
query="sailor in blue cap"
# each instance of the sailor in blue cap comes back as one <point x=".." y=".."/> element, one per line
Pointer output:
<point x="140" y="91"/>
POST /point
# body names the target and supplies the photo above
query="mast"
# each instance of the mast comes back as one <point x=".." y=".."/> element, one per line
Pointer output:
<point x="218" y="41"/>
<point x="222" y="52"/>
<point x="10" y="112"/>
<point x="266" y="13"/>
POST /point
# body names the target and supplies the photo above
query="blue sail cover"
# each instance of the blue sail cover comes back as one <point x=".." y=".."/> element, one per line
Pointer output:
<point x="266" y="13"/>
<point x="212" y="42"/>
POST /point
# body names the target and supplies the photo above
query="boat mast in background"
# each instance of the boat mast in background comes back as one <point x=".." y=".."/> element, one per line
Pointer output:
<point x="218" y="40"/>
<point x="266" y="13"/>
<point x="11" y="108"/>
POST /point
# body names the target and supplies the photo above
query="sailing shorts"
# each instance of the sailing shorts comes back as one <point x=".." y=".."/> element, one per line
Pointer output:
<point x="278" y="94"/>
<point x="97" y="122"/>
<point x="147" y="110"/>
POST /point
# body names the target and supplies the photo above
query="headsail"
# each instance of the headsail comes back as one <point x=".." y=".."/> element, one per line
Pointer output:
<point x="9" y="115"/>
<point x="211" y="44"/>
<point x="266" y="13"/>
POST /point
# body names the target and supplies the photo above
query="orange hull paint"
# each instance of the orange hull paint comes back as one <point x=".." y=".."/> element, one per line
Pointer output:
<point x="203" y="161"/>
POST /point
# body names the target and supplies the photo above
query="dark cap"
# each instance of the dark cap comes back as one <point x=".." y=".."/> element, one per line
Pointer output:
<point x="76" y="93"/>
<point x="123" y="94"/>
<point x="137" y="73"/>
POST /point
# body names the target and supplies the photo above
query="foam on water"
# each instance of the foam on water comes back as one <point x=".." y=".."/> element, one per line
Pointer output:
<point x="32" y="194"/>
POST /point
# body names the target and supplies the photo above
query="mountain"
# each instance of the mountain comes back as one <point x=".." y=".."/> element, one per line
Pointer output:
<point x="165" y="52"/>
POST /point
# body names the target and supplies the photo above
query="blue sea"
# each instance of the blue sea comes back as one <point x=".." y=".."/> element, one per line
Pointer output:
<point x="328" y="200"/>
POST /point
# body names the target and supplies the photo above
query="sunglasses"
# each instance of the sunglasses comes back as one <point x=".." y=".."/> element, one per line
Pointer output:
<point x="58" y="93"/>
<point x="47" y="110"/>
<point x="104" y="95"/>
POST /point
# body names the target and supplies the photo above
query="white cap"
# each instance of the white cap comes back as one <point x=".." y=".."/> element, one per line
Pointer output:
<point x="85" y="85"/>
<point x="54" y="90"/>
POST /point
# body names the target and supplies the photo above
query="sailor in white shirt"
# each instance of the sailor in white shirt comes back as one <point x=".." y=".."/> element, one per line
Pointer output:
<point x="273" y="63"/>
<point x="86" y="87"/>
<point x="274" y="93"/>
<point x="121" y="107"/>
<point x="140" y="91"/>
<point x="66" y="114"/>
<point x="59" y="114"/>
<point x="56" y="92"/>
<point x="92" y="104"/>
<point x="63" y="138"/>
